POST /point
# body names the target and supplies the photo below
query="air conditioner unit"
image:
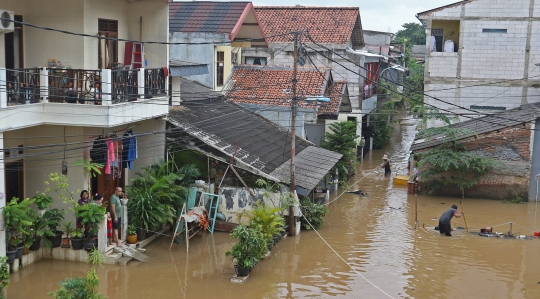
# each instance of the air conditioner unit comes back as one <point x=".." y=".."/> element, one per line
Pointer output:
<point x="6" y="21"/>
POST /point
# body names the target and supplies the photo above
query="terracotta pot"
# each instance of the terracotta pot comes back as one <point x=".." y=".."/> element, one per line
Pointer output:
<point x="132" y="239"/>
<point x="65" y="242"/>
<point x="25" y="251"/>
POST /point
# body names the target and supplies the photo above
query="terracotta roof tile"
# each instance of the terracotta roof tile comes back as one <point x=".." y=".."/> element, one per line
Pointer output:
<point x="327" y="25"/>
<point x="276" y="83"/>
<point x="337" y="88"/>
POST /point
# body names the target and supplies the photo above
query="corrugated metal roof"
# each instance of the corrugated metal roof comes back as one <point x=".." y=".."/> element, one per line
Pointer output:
<point x="264" y="146"/>
<point x="488" y="123"/>
<point x="311" y="165"/>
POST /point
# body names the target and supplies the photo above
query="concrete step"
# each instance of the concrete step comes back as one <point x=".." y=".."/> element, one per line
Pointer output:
<point x="123" y="261"/>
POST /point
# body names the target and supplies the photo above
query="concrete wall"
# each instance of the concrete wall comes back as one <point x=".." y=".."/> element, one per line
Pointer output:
<point x="204" y="53"/>
<point x="485" y="59"/>
<point x="376" y="38"/>
<point x="234" y="201"/>
<point x="81" y="16"/>
<point x="513" y="148"/>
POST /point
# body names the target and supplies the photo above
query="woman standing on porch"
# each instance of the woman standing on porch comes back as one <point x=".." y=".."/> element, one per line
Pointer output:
<point x="85" y="199"/>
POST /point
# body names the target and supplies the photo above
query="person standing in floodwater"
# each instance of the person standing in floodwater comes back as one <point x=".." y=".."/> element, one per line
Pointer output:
<point x="446" y="217"/>
<point x="386" y="165"/>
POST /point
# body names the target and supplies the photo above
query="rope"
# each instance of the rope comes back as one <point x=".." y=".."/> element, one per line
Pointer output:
<point x="344" y="191"/>
<point x="378" y="288"/>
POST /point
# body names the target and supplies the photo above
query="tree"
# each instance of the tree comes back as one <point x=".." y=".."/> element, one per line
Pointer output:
<point x="343" y="140"/>
<point x="412" y="34"/>
<point x="451" y="162"/>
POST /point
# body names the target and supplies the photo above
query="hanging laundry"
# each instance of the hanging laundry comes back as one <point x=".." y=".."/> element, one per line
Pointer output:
<point x="98" y="153"/>
<point x="449" y="46"/>
<point x="129" y="149"/>
<point x="110" y="156"/>
<point x="432" y="44"/>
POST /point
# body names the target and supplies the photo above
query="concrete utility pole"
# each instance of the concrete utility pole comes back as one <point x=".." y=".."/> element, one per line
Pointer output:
<point x="294" y="103"/>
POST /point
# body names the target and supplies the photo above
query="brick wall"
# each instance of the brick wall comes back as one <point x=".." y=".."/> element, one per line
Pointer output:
<point x="509" y="146"/>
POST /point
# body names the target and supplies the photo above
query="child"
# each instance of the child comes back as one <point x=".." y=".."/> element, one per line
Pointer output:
<point x="109" y="229"/>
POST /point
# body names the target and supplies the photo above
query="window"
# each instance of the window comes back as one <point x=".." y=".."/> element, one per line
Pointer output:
<point x="219" y="68"/>
<point x="488" y="30"/>
<point x="439" y="36"/>
<point x="108" y="49"/>
<point x="256" y="60"/>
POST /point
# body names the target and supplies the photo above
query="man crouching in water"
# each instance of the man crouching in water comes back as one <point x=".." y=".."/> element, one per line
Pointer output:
<point x="444" y="221"/>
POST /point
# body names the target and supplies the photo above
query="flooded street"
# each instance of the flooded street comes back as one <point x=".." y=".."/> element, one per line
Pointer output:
<point x="375" y="235"/>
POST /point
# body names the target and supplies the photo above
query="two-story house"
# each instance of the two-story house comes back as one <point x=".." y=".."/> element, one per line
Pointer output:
<point x="481" y="56"/>
<point x="212" y="33"/>
<point x="339" y="46"/>
<point x="60" y="92"/>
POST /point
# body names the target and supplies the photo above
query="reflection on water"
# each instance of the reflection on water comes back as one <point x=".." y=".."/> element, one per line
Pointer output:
<point x="374" y="234"/>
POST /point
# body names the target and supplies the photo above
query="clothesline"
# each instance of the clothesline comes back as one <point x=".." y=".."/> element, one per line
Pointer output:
<point x="114" y="132"/>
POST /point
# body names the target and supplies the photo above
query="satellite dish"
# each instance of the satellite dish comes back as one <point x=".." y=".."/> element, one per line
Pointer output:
<point x="301" y="61"/>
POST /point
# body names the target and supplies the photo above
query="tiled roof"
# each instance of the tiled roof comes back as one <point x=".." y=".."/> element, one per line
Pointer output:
<point x="337" y="89"/>
<point x="205" y="16"/>
<point x="327" y="25"/>
<point x="484" y="124"/>
<point x="273" y="85"/>
<point x="218" y="127"/>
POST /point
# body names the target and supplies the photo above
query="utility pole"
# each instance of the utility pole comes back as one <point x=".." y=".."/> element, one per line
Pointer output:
<point x="294" y="103"/>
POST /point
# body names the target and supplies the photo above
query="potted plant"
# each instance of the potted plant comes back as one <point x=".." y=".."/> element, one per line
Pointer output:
<point x="42" y="201"/>
<point x="76" y="239"/>
<point x="39" y="232"/>
<point x="68" y="228"/>
<point x="91" y="216"/>
<point x="249" y="249"/>
<point x="131" y="234"/>
<point x="27" y="238"/>
<point x="16" y="219"/>
<point x="54" y="218"/>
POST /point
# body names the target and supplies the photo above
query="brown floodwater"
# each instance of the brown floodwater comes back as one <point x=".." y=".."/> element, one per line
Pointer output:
<point x="375" y="235"/>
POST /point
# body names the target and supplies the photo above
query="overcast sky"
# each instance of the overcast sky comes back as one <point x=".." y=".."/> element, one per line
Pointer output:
<point x="379" y="16"/>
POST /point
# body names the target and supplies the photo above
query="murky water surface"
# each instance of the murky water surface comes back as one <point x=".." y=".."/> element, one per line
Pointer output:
<point x="375" y="235"/>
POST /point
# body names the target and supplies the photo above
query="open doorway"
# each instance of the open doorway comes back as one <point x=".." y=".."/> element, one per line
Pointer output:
<point x="14" y="180"/>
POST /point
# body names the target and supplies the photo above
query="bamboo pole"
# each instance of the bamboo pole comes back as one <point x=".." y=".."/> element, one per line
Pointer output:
<point x="464" y="219"/>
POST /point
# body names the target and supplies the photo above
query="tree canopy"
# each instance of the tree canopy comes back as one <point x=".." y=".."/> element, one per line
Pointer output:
<point x="412" y="34"/>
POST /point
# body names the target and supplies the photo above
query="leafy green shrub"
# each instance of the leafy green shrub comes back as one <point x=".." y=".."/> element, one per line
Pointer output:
<point x="266" y="220"/>
<point x="42" y="201"/>
<point x="82" y="287"/>
<point x="249" y="249"/>
<point x="91" y="215"/>
<point x="343" y="140"/>
<point x="314" y="213"/>
<point x="158" y="192"/>
<point x="17" y="220"/>
<point x="4" y="276"/>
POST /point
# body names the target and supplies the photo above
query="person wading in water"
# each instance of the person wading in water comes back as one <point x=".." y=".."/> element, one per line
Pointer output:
<point x="386" y="165"/>
<point x="444" y="221"/>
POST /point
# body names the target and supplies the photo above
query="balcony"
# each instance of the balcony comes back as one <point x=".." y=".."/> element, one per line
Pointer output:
<point x="103" y="98"/>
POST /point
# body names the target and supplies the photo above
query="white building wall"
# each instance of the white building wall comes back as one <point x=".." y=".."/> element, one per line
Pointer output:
<point x="496" y="62"/>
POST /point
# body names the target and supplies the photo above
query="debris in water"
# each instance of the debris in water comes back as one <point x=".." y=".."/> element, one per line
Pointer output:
<point x="434" y="218"/>
<point x="442" y="203"/>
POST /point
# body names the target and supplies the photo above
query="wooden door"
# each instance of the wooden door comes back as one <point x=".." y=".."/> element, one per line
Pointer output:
<point x="105" y="185"/>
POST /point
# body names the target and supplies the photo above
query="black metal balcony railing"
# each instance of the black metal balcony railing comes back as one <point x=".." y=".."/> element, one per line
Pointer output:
<point x="75" y="86"/>
<point x="154" y="82"/>
<point x="124" y="85"/>
<point x="23" y="86"/>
